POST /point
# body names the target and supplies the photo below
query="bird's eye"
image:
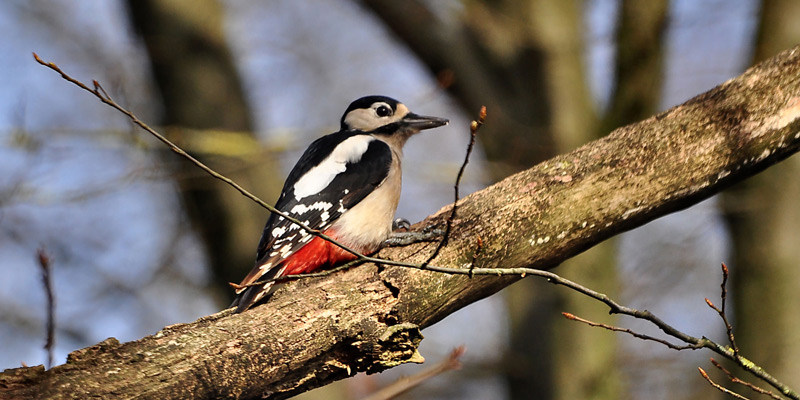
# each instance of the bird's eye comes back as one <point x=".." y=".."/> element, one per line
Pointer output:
<point x="383" y="111"/>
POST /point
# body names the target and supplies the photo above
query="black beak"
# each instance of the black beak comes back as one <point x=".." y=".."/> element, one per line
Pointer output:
<point x="421" y="122"/>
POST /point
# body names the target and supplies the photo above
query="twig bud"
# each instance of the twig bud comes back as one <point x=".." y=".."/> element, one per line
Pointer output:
<point x="710" y="304"/>
<point x="44" y="259"/>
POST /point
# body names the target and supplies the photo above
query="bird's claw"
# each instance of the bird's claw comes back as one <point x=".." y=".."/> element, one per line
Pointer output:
<point x="401" y="225"/>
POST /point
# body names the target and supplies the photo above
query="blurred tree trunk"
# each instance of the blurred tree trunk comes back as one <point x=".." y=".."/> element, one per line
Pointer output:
<point x="490" y="55"/>
<point x="201" y="90"/>
<point x="517" y="56"/>
<point x="563" y="362"/>
<point x="636" y="94"/>
<point x="639" y="63"/>
<point x="524" y="61"/>
<point x="765" y="222"/>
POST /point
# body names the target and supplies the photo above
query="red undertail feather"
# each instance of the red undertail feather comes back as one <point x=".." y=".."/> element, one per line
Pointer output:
<point x="316" y="255"/>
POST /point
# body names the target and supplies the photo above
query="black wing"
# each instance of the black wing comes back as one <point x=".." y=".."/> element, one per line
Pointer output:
<point x="281" y="238"/>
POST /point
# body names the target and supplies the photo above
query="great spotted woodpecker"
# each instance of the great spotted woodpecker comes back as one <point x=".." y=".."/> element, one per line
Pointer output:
<point x="346" y="185"/>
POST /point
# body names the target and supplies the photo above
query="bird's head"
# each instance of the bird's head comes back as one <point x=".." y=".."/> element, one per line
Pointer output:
<point x="385" y="115"/>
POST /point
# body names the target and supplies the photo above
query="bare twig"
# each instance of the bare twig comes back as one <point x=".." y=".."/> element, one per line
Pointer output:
<point x="724" y="296"/>
<point x="45" y="263"/>
<point x="403" y="385"/>
<point x="473" y="131"/>
<point x="101" y="94"/>
<point x="721" y="310"/>
<point x="630" y="332"/>
<point x="719" y="387"/>
<point x="748" y="384"/>
<point x="704" y="342"/>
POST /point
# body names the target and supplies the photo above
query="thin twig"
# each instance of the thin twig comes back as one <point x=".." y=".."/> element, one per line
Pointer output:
<point x="724" y="351"/>
<point x="748" y="384"/>
<point x="630" y="332"/>
<point x="724" y="296"/>
<point x="473" y="131"/>
<point x="721" y="310"/>
<point x="45" y="263"/>
<point x="719" y="387"/>
<point x="103" y="96"/>
<point x="403" y="385"/>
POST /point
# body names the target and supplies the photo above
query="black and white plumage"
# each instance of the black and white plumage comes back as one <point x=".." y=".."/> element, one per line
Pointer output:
<point x="347" y="185"/>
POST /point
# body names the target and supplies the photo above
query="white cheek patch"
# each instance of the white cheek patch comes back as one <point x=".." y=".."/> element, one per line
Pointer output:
<point x="318" y="178"/>
<point x="362" y="119"/>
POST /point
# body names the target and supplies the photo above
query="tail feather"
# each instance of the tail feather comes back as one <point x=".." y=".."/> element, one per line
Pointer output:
<point x="252" y="295"/>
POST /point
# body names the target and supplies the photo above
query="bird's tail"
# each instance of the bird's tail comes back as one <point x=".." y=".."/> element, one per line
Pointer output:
<point x="251" y="291"/>
<point x="252" y="295"/>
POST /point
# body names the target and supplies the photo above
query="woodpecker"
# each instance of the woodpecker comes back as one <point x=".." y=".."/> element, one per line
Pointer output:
<point x="347" y="186"/>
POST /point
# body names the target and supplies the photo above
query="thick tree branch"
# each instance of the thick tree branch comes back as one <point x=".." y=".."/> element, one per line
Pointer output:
<point x="315" y="331"/>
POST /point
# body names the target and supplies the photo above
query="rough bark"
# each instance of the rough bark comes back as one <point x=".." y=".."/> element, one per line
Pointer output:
<point x="368" y="318"/>
<point x="636" y="94"/>
<point x="523" y="59"/>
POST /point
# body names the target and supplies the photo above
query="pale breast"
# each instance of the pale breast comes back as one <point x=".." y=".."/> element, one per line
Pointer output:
<point x="367" y="224"/>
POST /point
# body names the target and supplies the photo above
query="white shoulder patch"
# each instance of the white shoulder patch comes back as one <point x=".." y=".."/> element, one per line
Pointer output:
<point x="318" y="178"/>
